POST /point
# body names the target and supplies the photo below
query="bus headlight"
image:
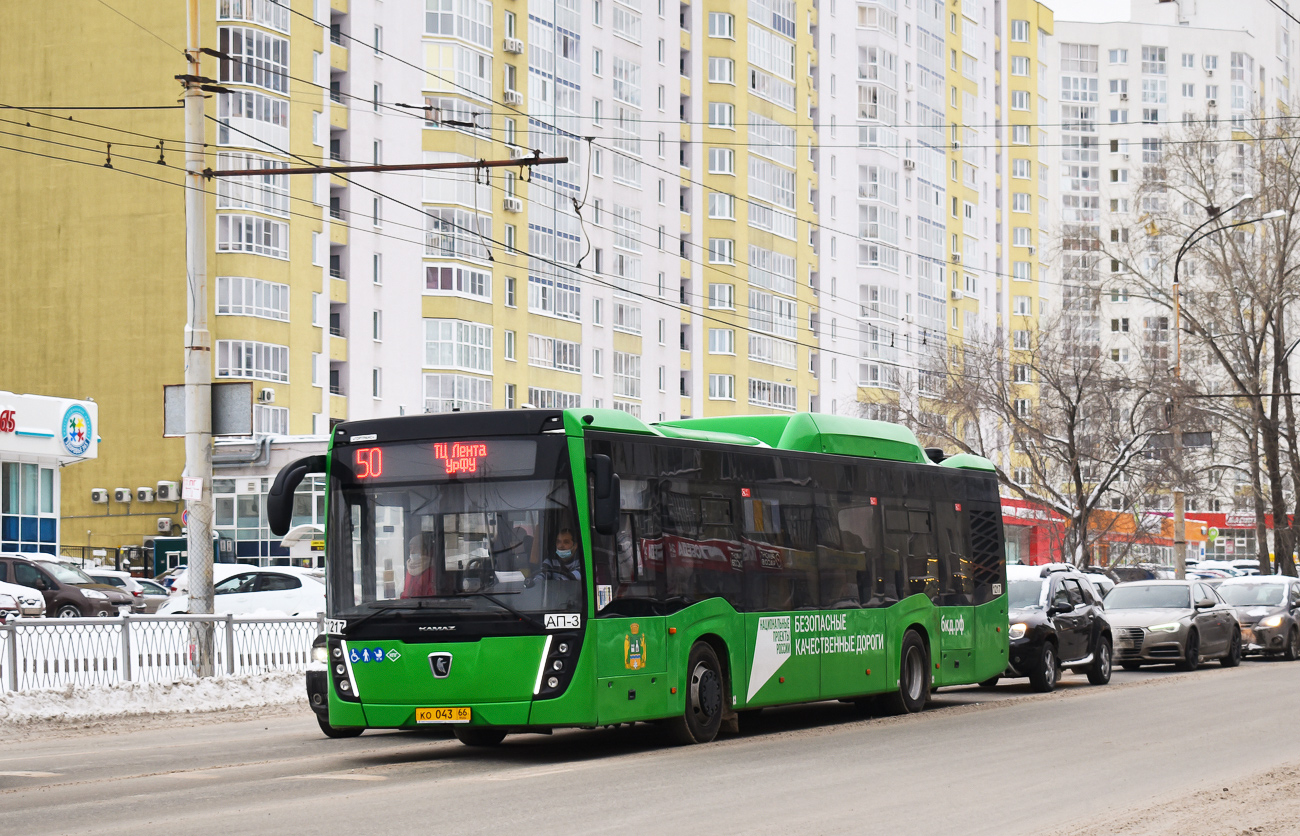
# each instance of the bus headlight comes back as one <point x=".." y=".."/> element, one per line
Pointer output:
<point x="1017" y="631"/>
<point x="319" y="654"/>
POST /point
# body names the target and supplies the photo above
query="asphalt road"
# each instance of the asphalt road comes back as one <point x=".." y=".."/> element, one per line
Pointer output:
<point x="976" y="761"/>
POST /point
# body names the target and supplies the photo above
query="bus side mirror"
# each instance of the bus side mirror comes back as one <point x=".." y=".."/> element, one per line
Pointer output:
<point x="279" y="500"/>
<point x="606" y="499"/>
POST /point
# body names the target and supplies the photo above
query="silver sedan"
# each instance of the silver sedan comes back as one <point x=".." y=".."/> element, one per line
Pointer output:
<point x="1183" y="622"/>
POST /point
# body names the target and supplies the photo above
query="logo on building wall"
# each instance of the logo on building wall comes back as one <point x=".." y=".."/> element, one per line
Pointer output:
<point x="7" y="421"/>
<point x="76" y="430"/>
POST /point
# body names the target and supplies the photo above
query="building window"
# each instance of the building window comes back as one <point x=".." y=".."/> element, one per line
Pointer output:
<point x="722" y="206"/>
<point x="509" y="347"/>
<point x="241" y="296"/>
<point x="376" y="383"/>
<point x="722" y="161"/>
<point x="1020" y="31"/>
<point x="377" y="325"/>
<point x="455" y="344"/>
<point x="722" y="115"/>
<point x="1022" y="306"/>
<point x="627" y="375"/>
<point x="553" y="398"/>
<point x="553" y="353"/>
<point x="722" y="387"/>
<point x="252" y="234"/>
<point x="456" y="393"/>
<point x="722" y="71"/>
<point x="597" y="363"/>
<point x="510" y="292"/>
<point x="1020" y="340"/>
<point x="722" y="296"/>
<point x="252" y="360"/>
<point x="1119" y="56"/>
<point x="772" y="395"/>
<point x="722" y="340"/>
<point x="722" y="25"/>
<point x="722" y="251"/>
<point x="1020" y="100"/>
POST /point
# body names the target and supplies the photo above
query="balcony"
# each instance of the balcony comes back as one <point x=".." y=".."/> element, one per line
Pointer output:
<point x="338" y="347"/>
<point x="338" y="55"/>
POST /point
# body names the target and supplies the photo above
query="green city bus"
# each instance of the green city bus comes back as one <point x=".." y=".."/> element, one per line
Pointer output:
<point x="525" y="570"/>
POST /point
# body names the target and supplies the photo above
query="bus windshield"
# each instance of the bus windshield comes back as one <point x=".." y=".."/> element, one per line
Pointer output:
<point x="455" y="539"/>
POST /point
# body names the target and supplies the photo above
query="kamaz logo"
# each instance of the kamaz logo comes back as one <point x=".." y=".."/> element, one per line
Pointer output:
<point x="437" y="628"/>
<point x="953" y="626"/>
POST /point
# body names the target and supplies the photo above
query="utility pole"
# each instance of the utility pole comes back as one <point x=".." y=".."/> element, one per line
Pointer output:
<point x="198" y="358"/>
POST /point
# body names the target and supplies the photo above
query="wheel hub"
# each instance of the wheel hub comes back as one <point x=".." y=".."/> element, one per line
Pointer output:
<point x="707" y="690"/>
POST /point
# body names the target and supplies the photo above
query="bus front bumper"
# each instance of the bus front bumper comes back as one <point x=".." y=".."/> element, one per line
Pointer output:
<point x="398" y="716"/>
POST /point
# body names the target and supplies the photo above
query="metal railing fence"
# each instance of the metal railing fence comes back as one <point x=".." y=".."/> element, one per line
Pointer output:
<point x="55" y="652"/>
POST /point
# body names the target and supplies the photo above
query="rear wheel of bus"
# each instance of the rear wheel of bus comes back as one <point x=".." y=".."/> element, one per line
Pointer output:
<point x="913" y="677"/>
<point x="705" y="690"/>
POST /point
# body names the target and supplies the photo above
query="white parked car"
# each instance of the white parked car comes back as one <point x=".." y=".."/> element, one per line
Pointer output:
<point x="27" y="602"/>
<point x="258" y="590"/>
<point x="220" y="571"/>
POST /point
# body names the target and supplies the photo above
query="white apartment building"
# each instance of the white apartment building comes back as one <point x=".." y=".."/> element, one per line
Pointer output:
<point x="1120" y="89"/>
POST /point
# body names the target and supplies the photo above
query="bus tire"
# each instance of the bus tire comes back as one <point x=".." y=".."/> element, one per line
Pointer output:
<point x="913" y="677"/>
<point x="337" y="732"/>
<point x="705" y="691"/>
<point x="479" y="735"/>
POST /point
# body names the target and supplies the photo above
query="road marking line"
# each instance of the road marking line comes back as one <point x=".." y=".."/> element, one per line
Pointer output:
<point x="22" y="774"/>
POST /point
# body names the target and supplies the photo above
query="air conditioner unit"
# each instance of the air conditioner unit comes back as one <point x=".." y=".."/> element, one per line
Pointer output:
<point x="956" y="258"/>
<point x="1209" y="73"/>
<point x="1211" y="103"/>
<point x="514" y="45"/>
<point x="99" y="496"/>
<point x="956" y="145"/>
<point x="516" y="152"/>
<point x="122" y="494"/>
<point x="909" y="164"/>
<point x="907" y="317"/>
<point x="514" y="97"/>
<point x="266" y="395"/>
<point x="1126" y="156"/>
<point x="957" y="296"/>
<point x="168" y="492"/>
<point x="1123" y="97"/>
<point x="513" y="204"/>
<point x="147" y="542"/>
<point x="1031" y="249"/>
<point x="164" y="525"/>
<point x="144" y="494"/>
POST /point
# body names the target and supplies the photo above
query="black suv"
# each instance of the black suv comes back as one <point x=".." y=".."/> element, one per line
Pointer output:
<point x="1057" y="621"/>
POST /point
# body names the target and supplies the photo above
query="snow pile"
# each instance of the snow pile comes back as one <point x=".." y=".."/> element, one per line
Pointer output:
<point x="79" y="703"/>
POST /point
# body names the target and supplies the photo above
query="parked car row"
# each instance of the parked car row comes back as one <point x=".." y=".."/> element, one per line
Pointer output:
<point x="34" y="586"/>
<point x="1061" y="618"/>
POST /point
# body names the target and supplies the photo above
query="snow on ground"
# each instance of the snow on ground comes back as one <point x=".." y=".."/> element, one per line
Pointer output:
<point x="80" y="704"/>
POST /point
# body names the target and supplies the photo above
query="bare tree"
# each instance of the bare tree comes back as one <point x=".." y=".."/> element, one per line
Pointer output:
<point x="1238" y="280"/>
<point x="1080" y="426"/>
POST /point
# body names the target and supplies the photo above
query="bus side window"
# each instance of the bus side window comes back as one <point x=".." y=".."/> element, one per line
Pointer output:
<point x="922" y="560"/>
<point x="954" y="571"/>
<point x="893" y="569"/>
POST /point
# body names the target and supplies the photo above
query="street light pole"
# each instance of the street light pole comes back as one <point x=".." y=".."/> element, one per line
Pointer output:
<point x="198" y="359"/>
<point x="1193" y="238"/>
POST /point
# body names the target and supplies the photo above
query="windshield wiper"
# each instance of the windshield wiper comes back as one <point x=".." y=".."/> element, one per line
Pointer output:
<point x="522" y="616"/>
<point x="419" y="605"/>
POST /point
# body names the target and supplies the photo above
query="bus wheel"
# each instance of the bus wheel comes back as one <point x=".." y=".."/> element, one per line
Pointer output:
<point x="913" y="677"/>
<point x="700" y="721"/>
<point x="479" y="736"/>
<point x="337" y="731"/>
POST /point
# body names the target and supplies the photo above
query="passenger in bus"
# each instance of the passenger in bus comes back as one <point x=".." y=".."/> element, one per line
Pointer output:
<point x="419" y="574"/>
<point x="564" y="564"/>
